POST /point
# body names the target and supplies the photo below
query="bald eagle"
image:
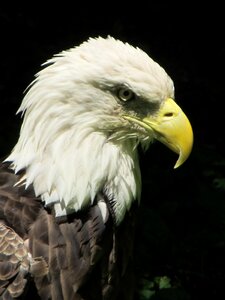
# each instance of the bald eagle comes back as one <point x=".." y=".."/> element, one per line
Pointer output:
<point x="70" y="187"/>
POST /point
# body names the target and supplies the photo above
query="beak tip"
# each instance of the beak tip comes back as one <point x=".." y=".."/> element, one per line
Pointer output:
<point x="183" y="157"/>
<point x="177" y="165"/>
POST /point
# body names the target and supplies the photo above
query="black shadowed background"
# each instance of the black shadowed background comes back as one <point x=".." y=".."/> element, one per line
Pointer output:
<point x="180" y="246"/>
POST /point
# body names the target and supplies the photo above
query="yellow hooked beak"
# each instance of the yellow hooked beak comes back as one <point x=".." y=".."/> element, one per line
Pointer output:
<point x="171" y="127"/>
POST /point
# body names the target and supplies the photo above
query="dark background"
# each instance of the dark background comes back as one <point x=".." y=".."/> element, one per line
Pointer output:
<point x="181" y="230"/>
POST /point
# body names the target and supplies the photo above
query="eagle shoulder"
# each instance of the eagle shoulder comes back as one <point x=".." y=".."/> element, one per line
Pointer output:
<point x="79" y="256"/>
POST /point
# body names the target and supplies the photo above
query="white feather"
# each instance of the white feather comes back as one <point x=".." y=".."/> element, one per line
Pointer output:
<point x="73" y="141"/>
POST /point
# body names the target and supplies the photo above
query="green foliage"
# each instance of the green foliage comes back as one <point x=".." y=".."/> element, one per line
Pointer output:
<point x="181" y="231"/>
<point x="219" y="183"/>
<point x="163" y="282"/>
<point x="161" y="288"/>
<point x="149" y="288"/>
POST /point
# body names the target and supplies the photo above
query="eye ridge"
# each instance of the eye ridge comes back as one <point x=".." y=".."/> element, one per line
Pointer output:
<point x="125" y="94"/>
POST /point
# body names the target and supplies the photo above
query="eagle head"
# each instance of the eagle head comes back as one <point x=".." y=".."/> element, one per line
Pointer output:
<point x="83" y="117"/>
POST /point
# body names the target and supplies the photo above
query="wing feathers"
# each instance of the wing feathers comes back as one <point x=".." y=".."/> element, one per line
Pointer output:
<point x="74" y="257"/>
<point x="14" y="263"/>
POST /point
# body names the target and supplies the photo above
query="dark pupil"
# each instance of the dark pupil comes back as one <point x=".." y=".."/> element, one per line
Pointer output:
<point x="126" y="93"/>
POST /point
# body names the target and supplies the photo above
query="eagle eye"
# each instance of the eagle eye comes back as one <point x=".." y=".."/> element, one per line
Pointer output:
<point x="125" y="94"/>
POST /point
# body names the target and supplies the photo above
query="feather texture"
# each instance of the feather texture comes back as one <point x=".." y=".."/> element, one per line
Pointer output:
<point x="70" y="186"/>
<point x="74" y="141"/>
<point x="80" y="256"/>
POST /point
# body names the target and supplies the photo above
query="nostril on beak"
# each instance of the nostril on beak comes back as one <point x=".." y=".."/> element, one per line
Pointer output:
<point x="169" y="114"/>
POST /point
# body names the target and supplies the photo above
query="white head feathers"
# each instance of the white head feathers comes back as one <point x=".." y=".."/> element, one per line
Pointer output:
<point x="71" y="113"/>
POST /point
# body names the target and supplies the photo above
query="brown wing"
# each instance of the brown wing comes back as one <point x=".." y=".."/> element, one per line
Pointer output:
<point x="76" y="257"/>
<point x="16" y="214"/>
<point x="14" y="263"/>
